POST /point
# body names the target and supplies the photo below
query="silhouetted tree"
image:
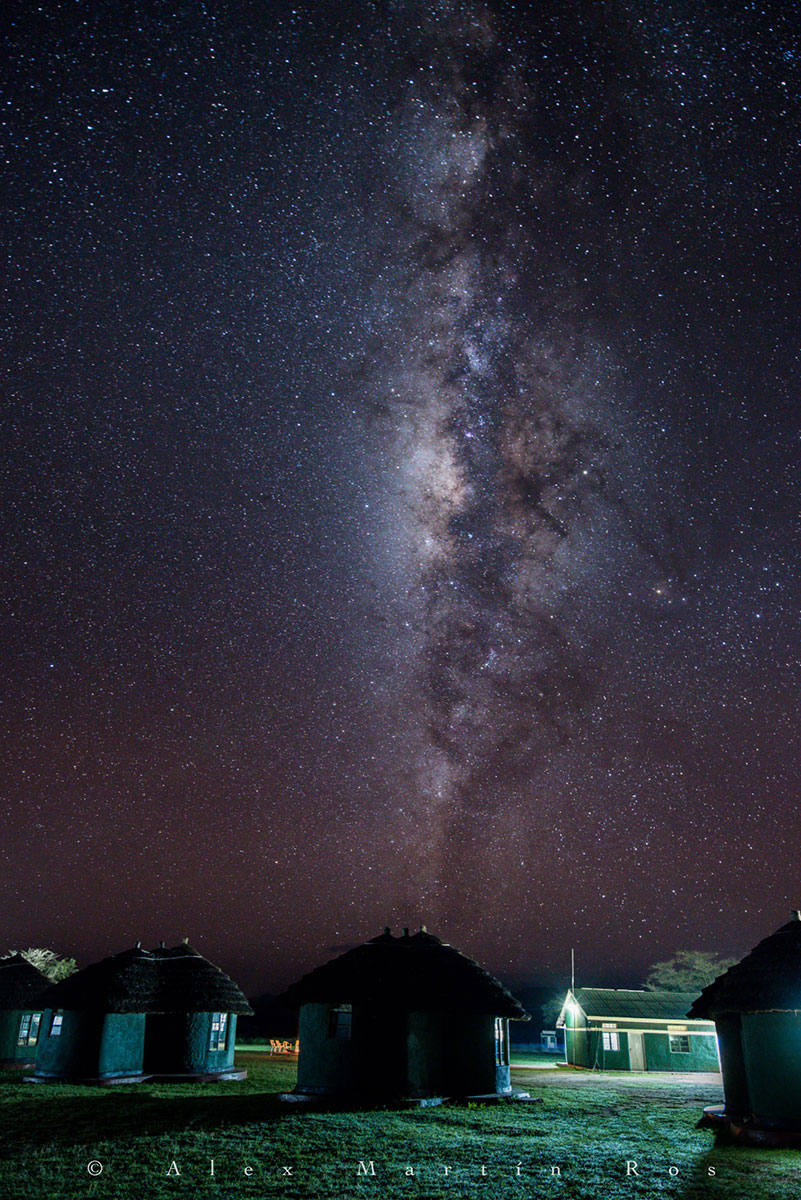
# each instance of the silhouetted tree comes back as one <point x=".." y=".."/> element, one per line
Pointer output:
<point x="48" y="962"/>
<point x="687" y="971"/>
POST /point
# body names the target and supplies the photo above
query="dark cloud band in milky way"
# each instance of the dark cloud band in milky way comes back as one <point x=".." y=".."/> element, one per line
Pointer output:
<point x="492" y="392"/>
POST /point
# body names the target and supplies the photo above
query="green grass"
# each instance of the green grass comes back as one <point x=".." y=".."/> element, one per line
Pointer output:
<point x="586" y="1125"/>
<point x="535" y="1056"/>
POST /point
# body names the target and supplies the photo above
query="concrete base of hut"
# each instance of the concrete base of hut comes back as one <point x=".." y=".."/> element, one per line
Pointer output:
<point x="206" y="1077"/>
<point x="113" y="1080"/>
<point x="746" y="1132"/>
<point x="88" y="1081"/>
<point x="355" y="1103"/>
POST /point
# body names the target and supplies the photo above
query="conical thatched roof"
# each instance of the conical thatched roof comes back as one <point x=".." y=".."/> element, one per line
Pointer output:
<point x="418" y="973"/>
<point x="138" y="981"/>
<point x="188" y="982"/>
<point x="766" y="980"/>
<point x="22" y="985"/>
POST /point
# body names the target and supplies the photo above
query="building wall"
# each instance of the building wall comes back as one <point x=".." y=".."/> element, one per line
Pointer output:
<point x="470" y="1067"/>
<point x="91" y="1046"/>
<point x="75" y="1052"/>
<point x="178" y="1044"/>
<point x="398" y="1053"/>
<point x="425" y="1054"/>
<point x="10" y="1052"/>
<point x="772" y="1055"/>
<point x="122" y="1043"/>
<point x="577" y="1048"/>
<point x="197" y="1057"/>
<point x="703" y="1054"/>
<point x="587" y="1046"/>
<point x="325" y="1064"/>
<point x="732" y="1065"/>
<point x="605" y="1060"/>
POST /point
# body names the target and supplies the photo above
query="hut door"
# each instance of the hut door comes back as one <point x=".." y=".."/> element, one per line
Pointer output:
<point x="636" y="1052"/>
<point x="165" y="1037"/>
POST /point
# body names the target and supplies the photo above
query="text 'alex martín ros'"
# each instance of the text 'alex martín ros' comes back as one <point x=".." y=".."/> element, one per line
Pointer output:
<point x="370" y="1168"/>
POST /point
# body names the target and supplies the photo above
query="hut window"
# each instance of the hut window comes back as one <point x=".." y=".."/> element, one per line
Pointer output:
<point x="679" y="1043"/>
<point x="501" y="1041"/>
<point x="29" y="1029"/>
<point x="610" y="1039"/>
<point x="340" y="1021"/>
<point x="219" y="1031"/>
<point x="56" y="1023"/>
<point x="29" y="1024"/>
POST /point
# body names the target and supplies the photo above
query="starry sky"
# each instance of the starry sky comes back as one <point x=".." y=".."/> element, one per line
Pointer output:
<point x="399" y="483"/>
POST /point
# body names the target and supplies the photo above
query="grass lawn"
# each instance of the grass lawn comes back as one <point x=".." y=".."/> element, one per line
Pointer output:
<point x="587" y="1125"/>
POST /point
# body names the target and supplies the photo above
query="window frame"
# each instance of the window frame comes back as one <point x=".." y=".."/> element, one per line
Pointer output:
<point x="218" y="1033"/>
<point x="501" y="1030"/>
<point x="610" y="1038"/>
<point x="340" y="1022"/>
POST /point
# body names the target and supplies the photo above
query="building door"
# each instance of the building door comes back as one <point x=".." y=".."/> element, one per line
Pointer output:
<point x="636" y="1052"/>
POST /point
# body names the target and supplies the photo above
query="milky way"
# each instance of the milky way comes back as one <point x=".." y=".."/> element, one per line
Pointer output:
<point x="492" y="402"/>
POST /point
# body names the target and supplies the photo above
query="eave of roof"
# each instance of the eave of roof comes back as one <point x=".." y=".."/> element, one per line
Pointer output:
<point x="178" y="979"/>
<point x="416" y="973"/>
<point x="768" y="979"/>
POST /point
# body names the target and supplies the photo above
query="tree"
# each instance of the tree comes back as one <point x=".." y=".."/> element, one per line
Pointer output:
<point x="687" y="971"/>
<point x="48" y="962"/>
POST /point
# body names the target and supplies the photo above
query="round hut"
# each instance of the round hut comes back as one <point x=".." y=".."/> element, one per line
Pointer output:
<point x="406" y="1016"/>
<point x="167" y="1013"/>
<point x="22" y="992"/>
<point x="94" y="1025"/>
<point x="756" y="1007"/>
<point x="191" y="1030"/>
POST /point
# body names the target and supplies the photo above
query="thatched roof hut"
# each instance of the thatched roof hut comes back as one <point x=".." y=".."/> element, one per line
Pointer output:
<point x="756" y="1007"/>
<point x="168" y="1012"/>
<point x="408" y="1016"/>
<point x="22" y="991"/>
<point x="175" y="979"/>
<point x="416" y="972"/>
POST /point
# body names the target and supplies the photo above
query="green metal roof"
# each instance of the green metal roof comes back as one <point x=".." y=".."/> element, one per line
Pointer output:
<point x="623" y="1002"/>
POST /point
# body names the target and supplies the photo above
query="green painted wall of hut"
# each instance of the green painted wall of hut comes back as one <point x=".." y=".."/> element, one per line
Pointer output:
<point x="325" y="1064"/>
<point x="399" y="1053"/>
<point x="771" y="1043"/>
<point x="91" y="1046"/>
<point x="471" y="1068"/>
<point x="178" y="1044"/>
<point x="732" y="1064"/>
<point x="10" y="1052"/>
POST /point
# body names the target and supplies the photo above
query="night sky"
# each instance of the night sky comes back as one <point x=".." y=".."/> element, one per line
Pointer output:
<point x="400" y="431"/>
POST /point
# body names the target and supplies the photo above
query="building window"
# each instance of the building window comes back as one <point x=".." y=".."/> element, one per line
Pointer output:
<point x="610" y="1039"/>
<point x="501" y="1041"/>
<point x="29" y="1029"/>
<point x="219" y="1031"/>
<point x="679" y="1043"/>
<point x="340" y="1020"/>
<point x="56" y="1023"/>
